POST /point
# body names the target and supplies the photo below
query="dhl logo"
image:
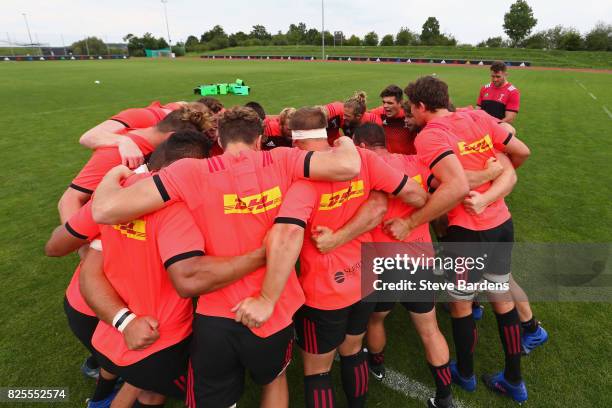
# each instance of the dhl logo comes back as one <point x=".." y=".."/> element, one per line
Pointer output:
<point x="338" y="198"/>
<point x="254" y="204"/>
<point x="479" y="146"/>
<point x="418" y="178"/>
<point x="134" y="229"/>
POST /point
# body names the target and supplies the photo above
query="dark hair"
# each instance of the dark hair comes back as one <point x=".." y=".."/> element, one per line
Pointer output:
<point x="193" y="116"/>
<point x="498" y="66"/>
<point x="430" y="91"/>
<point x="357" y="102"/>
<point x="213" y="104"/>
<point x="257" y="108"/>
<point x="180" y="145"/>
<point x="406" y="108"/>
<point x="392" y="90"/>
<point x="370" y="134"/>
<point x="239" y="124"/>
<point x="307" y="119"/>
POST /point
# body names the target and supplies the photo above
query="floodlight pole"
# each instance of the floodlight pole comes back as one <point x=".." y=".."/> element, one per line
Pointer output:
<point x="25" y="17"/>
<point x="167" y="26"/>
<point x="323" y="30"/>
<point x="8" y="37"/>
<point x="64" y="44"/>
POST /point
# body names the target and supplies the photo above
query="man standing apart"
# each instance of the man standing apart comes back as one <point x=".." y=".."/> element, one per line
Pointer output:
<point x="499" y="98"/>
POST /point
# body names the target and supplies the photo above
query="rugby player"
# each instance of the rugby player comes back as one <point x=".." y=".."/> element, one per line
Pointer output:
<point x="244" y="188"/>
<point x="334" y="316"/>
<point x="400" y="138"/>
<point x="348" y="115"/>
<point x="448" y="144"/>
<point x="81" y="228"/>
<point x="499" y="98"/>
<point x="133" y="118"/>
<point x="256" y="106"/>
<point x="81" y="318"/>
<point x="276" y="130"/>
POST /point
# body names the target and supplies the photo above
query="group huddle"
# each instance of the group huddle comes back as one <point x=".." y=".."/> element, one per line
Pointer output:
<point x="212" y="239"/>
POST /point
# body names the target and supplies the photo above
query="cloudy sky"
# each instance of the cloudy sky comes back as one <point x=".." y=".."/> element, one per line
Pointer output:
<point x="470" y="21"/>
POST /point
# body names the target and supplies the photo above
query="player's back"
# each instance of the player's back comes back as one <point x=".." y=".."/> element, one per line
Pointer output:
<point x="134" y="266"/>
<point x="234" y="206"/>
<point x="333" y="280"/>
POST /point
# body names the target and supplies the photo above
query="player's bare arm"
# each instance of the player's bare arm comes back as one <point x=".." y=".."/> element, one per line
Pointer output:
<point x="70" y="202"/>
<point x="451" y="191"/>
<point x="369" y="215"/>
<point x="339" y="164"/>
<point x="98" y="136"/>
<point x="413" y="194"/>
<point x="493" y="169"/>
<point x="476" y="202"/>
<point x="114" y="204"/>
<point x="283" y="249"/>
<point x="62" y="242"/>
<point x="106" y="136"/>
<point x="203" y="274"/>
<point x="509" y="117"/>
<point x="517" y="151"/>
<point x="141" y="331"/>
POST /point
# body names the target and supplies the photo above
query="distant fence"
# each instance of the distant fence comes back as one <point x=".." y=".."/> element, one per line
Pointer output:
<point x="368" y="59"/>
<point x="59" y="57"/>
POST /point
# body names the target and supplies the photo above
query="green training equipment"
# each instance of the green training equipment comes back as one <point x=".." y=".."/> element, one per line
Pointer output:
<point x="235" y="88"/>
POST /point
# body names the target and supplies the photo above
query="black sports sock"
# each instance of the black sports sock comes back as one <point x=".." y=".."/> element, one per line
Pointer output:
<point x="355" y="379"/>
<point x="530" y="326"/>
<point x="376" y="358"/>
<point x="510" y="335"/>
<point x="465" y="336"/>
<point x="104" y="388"/>
<point x="139" y="404"/>
<point x="91" y="362"/>
<point x="318" y="391"/>
<point x="442" y="378"/>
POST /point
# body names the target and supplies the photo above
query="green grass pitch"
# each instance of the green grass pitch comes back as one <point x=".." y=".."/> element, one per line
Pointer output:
<point x="563" y="195"/>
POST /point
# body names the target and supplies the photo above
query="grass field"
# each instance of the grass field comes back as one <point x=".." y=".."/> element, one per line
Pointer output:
<point x="543" y="58"/>
<point x="563" y="195"/>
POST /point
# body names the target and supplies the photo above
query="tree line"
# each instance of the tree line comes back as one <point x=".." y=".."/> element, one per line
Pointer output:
<point x="518" y="24"/>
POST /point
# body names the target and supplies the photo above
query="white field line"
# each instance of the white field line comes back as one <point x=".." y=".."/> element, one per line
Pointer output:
<point x="594" y="98"/>
<point x="412" y="388"/>
<point x="581" y="85"/>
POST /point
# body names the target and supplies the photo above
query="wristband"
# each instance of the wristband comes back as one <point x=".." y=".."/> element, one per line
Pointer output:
<point x="96" y="244"/>
<point x="125" y="322"/>
<point x="120" y="315"/>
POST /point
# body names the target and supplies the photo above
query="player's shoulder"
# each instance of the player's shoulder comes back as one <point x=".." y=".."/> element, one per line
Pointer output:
<point x="377" y="111"/>
<point x="512" y="88"/>
<point x="270" y="119"/>
<point x="486" y="86"/>
<point x="372" y="117"/>
<point x="195" y="167"/>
